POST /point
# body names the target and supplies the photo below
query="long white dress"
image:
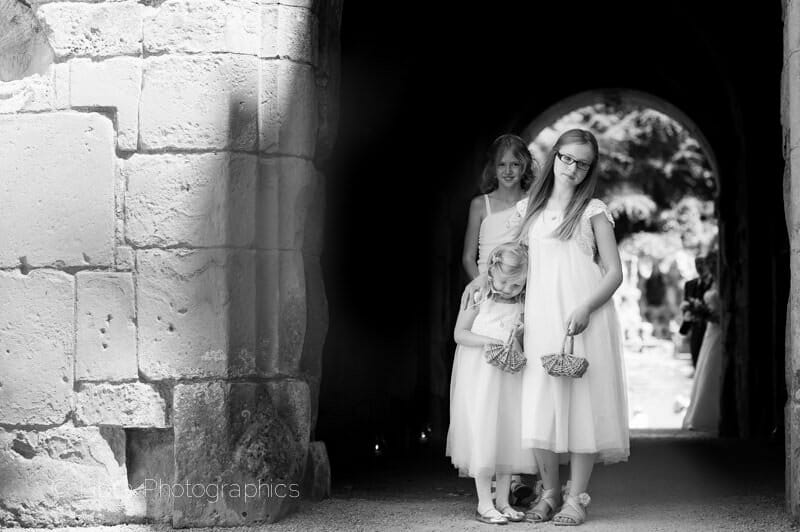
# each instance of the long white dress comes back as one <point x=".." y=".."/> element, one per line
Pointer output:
<point x="704" y="406"/>
<point x="561" y="414"/>
<point x="484" y="435"/>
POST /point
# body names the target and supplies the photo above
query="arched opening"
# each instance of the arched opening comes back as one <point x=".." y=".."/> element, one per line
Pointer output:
<point x="659" y="176"/>
<point x="417" y="117"/>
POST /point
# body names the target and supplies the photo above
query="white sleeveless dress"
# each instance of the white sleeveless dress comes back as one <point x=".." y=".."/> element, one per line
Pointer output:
<point x="494" y="230"/>
<point x="561" y="414"/>
<point x="485" y="420"/>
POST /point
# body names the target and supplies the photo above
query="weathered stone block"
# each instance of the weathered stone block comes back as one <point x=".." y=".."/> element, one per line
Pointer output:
<point x="150" y="458"/>
<point x="94" y="30"/>
<point x="124" y="259"/>
<point x="317" y="480"/>
<point x="289" y="33"/>
<point x="59" y="168"/>
<point x="196" y="200"/>
<point x="33" y="93"/>
<point x="792" y="121"/>
<point x="252" y="438"/>
<point x="288" y="113"/>
<point x="131" y="404"/>
<point x="194" y="26"/>
<point x="791" y="27"/>
<point x="287" y="189"/>
<point x="106" y="327"/>
<point x="316" y="321"/>
<point x="200" y="102"/>
<point x="66" y="476"/>
<point x="194" y="309"/>
<point x="36" y="342"/>
<point x="61" y="86"/>
<point x="281" y="312"/>
<point x="114" y="83"/>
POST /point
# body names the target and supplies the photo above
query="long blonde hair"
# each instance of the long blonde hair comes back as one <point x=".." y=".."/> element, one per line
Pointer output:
<point x="542" y="187"/>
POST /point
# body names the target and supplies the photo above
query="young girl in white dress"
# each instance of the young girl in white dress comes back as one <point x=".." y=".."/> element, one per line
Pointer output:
<point x="484" y="436"/>
<point x="574" y="270"/>
<point x="506" y="177"/>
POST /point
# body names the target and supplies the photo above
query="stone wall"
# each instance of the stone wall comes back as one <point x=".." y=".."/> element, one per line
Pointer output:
<point x="790" y="116"/>
<point x="161" y="304"/>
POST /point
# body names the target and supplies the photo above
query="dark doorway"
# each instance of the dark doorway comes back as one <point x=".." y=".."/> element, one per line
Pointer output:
<point x="424" y="92"/>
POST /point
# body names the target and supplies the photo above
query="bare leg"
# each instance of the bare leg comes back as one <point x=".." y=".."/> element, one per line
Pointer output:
<point x="502" y="504"/>
<point x="573" y="512"/>
<point x="581" y="465"/>
<point x="483" y="485"/>
<point x="550" y="498"/>
<point x="548" y="467"/>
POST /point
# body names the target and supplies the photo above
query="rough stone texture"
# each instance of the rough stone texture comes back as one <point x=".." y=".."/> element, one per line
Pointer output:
<point x="790" y="117"/>
<point x="150" y="458"/>
<point x="106" y="327"/>
<point x="124" y="259"/>
<point x="280" y="312"/>
<point x="200" y="102"/>
<point x="24" y="49"/>
<point x="289" y="33"/>
<point x="287" y="188"/>
<point x="254" y="436"/>
<point x="193" y="26"/>
<point x="59" y="168"/>
<point x="61" y="86"/>
<point x="131" y="404"/>
<point x="317" y="327"/>
<point x="191" y="200"/>
<point x="288" y="115"/>
<point x="34" y="93"/>
<point x="36" y="343"/>
<point x="113" y="83"/>
<point x="65" y="475"/>
<point x="317" y="480"/>
<point x="194" y="308"/>
<point x="93" y="30"/>
<point x="792" y="99"/>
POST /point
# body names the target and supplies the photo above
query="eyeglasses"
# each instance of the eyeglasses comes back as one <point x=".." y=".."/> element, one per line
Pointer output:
<point x="569" y="161"/>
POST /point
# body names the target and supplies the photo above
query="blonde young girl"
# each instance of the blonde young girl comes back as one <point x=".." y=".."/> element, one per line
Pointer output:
<point x="574" y="270"/>
<point x="484" y="435"/>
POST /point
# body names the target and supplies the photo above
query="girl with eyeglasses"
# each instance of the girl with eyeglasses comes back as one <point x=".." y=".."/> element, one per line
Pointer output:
<point x="574" y="269"/>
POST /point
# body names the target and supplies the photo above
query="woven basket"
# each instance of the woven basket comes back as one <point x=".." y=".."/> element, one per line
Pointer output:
<point x="505" y="356"/>
<point x="565" y="364"/>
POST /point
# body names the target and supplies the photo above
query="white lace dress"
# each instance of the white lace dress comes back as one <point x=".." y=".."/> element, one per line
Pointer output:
<point x="484" y="435"/>
<point x="589" y="414"/>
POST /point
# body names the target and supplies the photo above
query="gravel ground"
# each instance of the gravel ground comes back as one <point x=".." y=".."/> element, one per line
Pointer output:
<point x="673" y="482"/>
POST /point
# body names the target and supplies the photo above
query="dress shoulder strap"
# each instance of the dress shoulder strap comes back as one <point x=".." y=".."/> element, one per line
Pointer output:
<point x="488" y="204"/>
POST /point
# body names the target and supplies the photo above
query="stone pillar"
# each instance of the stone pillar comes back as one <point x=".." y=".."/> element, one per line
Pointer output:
<point x="790" y="115"/>
<point x="160" y="291"/>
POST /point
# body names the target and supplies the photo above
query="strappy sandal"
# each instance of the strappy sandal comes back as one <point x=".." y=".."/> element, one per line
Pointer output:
<point x="491" y="517"/>
<point x="573" y="511"/>
<point x="515" y="516"/>
<point x="545" y="506"/>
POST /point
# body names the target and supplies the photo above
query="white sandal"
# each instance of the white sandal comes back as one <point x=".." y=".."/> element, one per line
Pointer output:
<point x="573" y="511"/>
<point x="491" y="517"/>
